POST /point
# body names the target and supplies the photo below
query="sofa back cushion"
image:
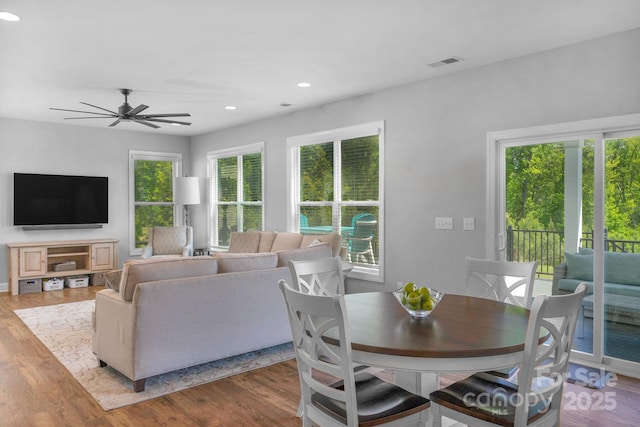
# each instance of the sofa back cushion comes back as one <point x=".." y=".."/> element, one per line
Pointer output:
<point x="149" y="270"/>
<point x="285" y="241"/>
<point x="244" y="242"/>
<point x="579" y="266"/>
<point x="322" y="250"/>
<point x="266" y="241"/>
<point x="621" y="267"/>
<point x="235" y="263"/>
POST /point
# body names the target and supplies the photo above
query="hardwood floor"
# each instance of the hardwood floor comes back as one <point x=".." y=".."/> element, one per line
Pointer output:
<point x="36" y="390"/>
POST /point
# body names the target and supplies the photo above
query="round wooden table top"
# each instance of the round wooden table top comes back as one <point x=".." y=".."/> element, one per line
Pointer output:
<point x="459" y="327"/>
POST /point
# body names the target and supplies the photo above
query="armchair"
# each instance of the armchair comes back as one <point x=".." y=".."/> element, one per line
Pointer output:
<point x="169" y="242"/>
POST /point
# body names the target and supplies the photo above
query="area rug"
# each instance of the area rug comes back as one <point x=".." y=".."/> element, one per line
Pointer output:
<point x="65" y="329"/>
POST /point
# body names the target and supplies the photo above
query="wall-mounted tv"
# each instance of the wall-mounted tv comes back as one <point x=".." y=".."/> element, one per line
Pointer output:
<point x="60" y="200"/>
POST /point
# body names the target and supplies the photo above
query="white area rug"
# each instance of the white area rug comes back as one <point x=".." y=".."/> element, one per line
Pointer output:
<point x="65" y="329"/>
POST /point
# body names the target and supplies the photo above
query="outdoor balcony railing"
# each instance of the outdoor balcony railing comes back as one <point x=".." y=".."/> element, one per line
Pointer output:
<point x="547" y="247"/>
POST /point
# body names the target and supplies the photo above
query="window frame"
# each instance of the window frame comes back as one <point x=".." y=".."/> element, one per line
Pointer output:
<point x="293" y="185"/>
<point x="176" y="159"/>
<point x="212" y="180"/>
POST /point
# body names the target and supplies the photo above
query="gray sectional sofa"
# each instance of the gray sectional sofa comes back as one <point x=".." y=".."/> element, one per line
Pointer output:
<point x="160" y="315"/>
<point x="621" y="278"/>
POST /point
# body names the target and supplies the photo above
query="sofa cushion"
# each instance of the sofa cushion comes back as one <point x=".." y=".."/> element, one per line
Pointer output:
<point x="149" y="270"/>
<point x="246" y="242"/>
<point x="266" y="241"/>
<point x="285" y="240"/>
<point x="168" y="240"/>
<point x="333" y="239"/>
<point x="579" y="266"/>
<point x="234" y="263"/>
<point x="322" y="250"/>
<point x="621" y="267"/>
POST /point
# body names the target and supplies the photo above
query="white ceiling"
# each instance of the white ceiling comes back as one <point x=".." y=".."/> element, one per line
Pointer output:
<point x="198" y="56"/>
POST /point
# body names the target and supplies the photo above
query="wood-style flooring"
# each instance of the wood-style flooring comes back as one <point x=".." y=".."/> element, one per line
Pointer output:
<point x="36" y="390"/>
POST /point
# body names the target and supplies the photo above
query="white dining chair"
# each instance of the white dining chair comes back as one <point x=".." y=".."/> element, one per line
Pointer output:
<point x="354" y="399"/>
<point x="499" y="280"/>
<point x="318" y="276"/>
<point x="535" y="400"/>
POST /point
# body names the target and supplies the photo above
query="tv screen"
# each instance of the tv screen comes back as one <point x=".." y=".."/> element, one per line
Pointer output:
<point x="40" y="199"/>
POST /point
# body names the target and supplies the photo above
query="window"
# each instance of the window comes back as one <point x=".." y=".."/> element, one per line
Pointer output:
<point x="336" y="180"/>
<point x="151" y="194"/>
<point x="235" y="178"/>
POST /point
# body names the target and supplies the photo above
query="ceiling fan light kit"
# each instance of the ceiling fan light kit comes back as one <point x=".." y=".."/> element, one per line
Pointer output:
<point x="126" y="113"/>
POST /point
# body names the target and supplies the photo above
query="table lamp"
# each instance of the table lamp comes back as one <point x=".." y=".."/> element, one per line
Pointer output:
<point x="186" y="191"/>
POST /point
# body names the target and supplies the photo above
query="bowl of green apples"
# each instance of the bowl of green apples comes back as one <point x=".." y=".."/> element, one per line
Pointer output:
<point x="419" y="301"/>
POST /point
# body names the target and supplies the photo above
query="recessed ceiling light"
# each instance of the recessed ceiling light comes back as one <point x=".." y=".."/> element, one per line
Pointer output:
<point x="176" y="124"/>
<point x="8" y="16"/>
<point x="304" y="84"/>
<point x="230" y="107"/>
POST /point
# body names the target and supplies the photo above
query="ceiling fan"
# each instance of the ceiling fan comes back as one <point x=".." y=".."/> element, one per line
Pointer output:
<point x="126" y="113"/>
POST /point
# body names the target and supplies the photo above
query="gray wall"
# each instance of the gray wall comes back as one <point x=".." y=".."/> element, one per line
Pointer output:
<point x="435" y="150"/>
<point x="34" y="147"/>
<point x="436" y="144"/>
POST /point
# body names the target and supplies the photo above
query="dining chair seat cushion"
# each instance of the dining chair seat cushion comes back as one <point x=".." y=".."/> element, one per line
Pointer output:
<point x="487" y="398"/>
<point x="378" y="401"/>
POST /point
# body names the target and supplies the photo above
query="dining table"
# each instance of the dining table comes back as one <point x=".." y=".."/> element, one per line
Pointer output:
<point x="461" y="334"/>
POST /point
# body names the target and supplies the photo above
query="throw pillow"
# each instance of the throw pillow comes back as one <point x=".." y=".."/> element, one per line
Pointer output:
<point x="285" y="240"/>
<point x="112" y="279"/>
<point x="579" y="267"/>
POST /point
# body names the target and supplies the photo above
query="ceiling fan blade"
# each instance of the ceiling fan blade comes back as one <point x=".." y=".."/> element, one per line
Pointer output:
<point x="168" y="121"/>
<point x="146" y="123"/>
<point x="115" y="123"/>
<point x="151" y="116"/>
<point x="100" y="117"/>
<point x="85" y="112"/>
<point x="99" y="108"/>
<point x="137" y="110"/>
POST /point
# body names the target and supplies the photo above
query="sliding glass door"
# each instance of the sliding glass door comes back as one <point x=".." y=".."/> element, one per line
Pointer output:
<point x="568" y="197"/>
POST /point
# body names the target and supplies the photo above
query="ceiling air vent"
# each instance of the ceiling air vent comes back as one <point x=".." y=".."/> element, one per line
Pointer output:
<point x="447" y="61"/>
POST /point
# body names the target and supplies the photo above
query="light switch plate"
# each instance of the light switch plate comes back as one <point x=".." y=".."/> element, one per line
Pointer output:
<point x="444" y="223"/>
<point x="469" y="223"/>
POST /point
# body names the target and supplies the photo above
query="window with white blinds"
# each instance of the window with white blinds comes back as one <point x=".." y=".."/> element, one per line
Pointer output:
<point x="151" y="194"/>
<point x="236" y="189"/>
<point x="335" y="184"/>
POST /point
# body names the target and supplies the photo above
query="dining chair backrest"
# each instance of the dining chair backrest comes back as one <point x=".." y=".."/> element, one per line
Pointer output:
<point x="541" y="375"/>
<point x="337" y="404"/>
<point x="322" y="276"/>
<point x="535" y="399"/>
<point x="311" y="316"/>
<point x="499" y="280"/>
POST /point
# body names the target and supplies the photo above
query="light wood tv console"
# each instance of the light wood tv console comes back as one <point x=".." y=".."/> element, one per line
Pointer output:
<point x="37" y="260"/>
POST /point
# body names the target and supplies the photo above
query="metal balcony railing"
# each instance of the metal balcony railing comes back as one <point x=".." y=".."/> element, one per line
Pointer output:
<point x="547" y="247"/>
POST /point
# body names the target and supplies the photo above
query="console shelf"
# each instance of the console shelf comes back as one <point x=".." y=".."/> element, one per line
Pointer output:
<point x="38" y="260"/>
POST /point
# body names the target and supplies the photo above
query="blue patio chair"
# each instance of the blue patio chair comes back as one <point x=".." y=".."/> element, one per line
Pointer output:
<point x="359" y="242"/>
<point x="304" y="221"/>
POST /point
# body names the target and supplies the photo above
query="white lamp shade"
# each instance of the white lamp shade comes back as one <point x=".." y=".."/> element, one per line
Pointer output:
<point x="186" y="190"/>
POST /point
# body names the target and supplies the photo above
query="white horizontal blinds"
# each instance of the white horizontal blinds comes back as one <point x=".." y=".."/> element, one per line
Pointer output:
<point x="227" y="198"/>
<point x="236" y="178"/>
<point x="251" y="191"/>
<point x="151" y="193"/>
<point x="336" y="175"/>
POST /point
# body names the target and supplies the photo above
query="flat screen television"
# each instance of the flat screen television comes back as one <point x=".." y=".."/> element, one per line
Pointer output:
<point x="40" y="199"/>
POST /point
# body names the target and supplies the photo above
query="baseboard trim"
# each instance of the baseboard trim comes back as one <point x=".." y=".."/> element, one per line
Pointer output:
<point x="4" y="287"/>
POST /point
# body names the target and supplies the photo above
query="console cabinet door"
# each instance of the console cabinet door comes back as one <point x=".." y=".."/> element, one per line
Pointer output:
<point x="102" y="256"/>
<point x="33" y="261"/>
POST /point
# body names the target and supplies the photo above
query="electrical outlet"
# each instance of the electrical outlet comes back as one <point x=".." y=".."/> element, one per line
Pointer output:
<point x="444" y="223"/>
<point x="469" y="223"/>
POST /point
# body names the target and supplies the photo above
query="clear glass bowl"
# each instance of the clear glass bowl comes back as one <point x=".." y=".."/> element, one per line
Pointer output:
<point x="415" y="309"/>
